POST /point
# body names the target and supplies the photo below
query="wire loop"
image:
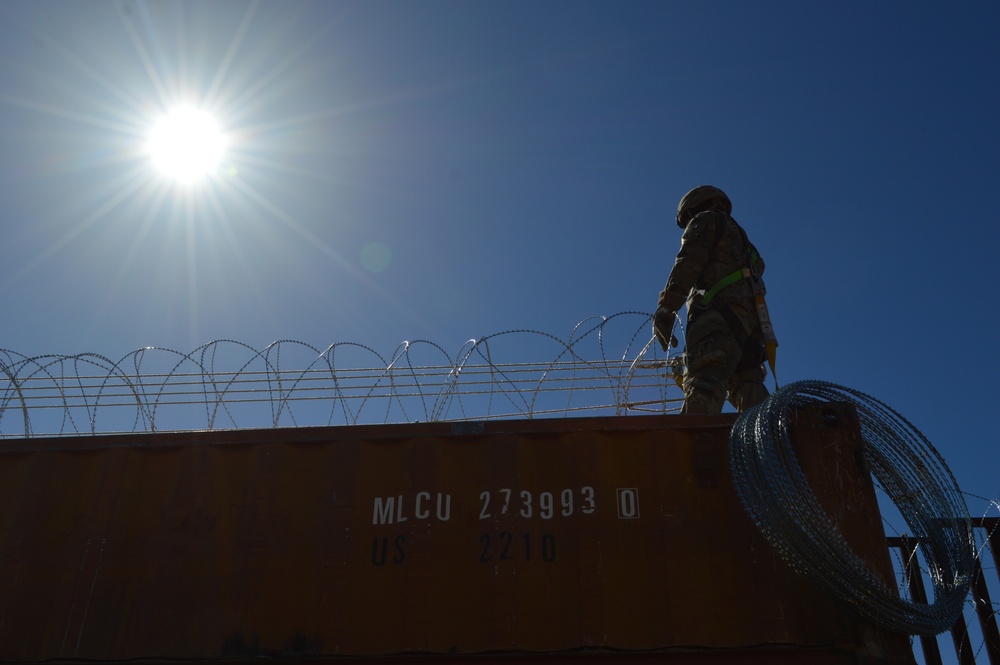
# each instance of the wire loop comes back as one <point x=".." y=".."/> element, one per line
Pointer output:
<point x="776" y="494"/>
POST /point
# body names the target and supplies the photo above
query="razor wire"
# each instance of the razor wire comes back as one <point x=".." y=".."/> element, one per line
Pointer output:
<point x="976" y="632"/>
<point x="607" y="365"/>
<point x="777" y="495"/>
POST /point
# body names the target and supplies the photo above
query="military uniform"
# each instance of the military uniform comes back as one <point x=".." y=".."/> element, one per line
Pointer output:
<point x="724" y="343"/>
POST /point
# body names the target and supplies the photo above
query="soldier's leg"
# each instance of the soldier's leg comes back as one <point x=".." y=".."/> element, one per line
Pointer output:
<point x="747" y="389"/>
<point x="746" y="386"/>
<point x="712" y="356"/>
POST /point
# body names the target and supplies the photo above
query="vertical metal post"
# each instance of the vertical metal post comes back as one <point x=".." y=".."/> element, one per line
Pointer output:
<point x="908" y="550"/>
<point x="963" y="647"/>
<point x="992" y="527"/>
<point x="981" y="594"/>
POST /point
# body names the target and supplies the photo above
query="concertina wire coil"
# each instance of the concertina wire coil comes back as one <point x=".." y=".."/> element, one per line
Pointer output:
<point x="776" y="494"/>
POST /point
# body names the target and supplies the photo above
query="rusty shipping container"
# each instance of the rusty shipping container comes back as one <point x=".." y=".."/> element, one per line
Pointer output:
<point x="564" y="540"/>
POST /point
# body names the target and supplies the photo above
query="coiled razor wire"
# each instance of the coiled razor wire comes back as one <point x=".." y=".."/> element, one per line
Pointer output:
<point x="600" y="369"/>
<point x="777" y="495"/>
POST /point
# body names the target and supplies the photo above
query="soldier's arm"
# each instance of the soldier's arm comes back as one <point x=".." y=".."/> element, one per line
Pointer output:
<point x="760" y="262"/>
<point x="697" y="245"/>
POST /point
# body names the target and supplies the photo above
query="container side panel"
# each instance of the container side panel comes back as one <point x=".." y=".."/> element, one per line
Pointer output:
<point x="618" y="534"/>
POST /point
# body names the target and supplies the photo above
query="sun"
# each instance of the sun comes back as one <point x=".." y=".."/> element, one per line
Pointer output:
<point x="186" y="145"/>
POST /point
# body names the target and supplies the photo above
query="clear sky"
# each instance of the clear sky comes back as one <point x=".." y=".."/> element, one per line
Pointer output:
<point x="400" y="170"/>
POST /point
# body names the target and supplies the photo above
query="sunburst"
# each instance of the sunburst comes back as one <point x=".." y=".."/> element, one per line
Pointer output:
<point x="186" y="144"/>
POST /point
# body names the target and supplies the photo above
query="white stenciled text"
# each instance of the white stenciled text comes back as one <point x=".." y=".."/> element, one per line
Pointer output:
<point x="543" y="505"/>
<point x="422" y="506"/>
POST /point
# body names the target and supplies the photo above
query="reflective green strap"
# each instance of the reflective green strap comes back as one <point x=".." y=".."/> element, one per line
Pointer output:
<point x="731" y="278"/>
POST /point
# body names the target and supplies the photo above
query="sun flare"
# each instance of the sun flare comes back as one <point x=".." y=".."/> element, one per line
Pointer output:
<point x="186" y="144"/>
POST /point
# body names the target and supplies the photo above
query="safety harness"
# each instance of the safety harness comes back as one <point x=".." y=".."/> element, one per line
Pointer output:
<point x="750" y="271"/>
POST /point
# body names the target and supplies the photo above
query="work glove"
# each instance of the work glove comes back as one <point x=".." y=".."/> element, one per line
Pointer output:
<point x="663" y="327"/>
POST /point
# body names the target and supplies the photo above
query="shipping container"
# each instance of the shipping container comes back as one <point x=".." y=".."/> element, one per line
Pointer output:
<point x="613" y="539"/>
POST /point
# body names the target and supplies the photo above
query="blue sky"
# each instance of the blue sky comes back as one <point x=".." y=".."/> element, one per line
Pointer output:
<point x="449" y="170"/>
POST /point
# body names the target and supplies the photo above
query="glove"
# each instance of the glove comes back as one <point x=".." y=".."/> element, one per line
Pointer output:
<point x="663" y="327"/>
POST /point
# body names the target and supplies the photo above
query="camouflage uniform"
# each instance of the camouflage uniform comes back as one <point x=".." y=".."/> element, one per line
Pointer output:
<point x="725" y="349"/>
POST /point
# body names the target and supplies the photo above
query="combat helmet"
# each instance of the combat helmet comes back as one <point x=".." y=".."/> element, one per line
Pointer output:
<point x="700" y="199"/>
